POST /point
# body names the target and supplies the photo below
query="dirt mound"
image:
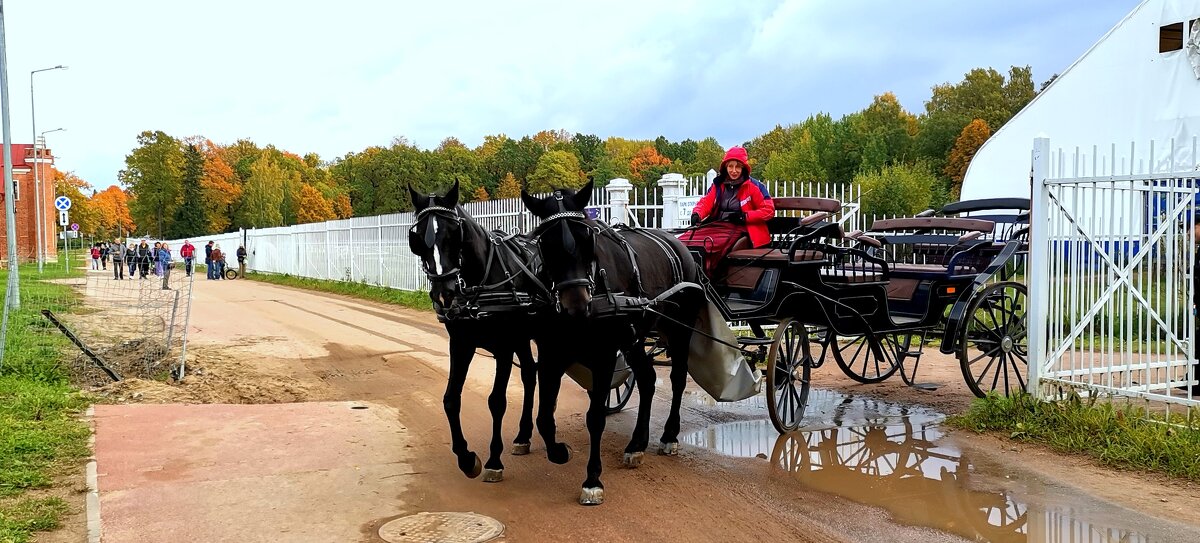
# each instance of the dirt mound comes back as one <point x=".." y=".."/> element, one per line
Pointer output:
<point x="136" y="358"/>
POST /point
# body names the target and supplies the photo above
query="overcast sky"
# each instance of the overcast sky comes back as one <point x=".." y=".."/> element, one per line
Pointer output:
<point x="335" y="77"/>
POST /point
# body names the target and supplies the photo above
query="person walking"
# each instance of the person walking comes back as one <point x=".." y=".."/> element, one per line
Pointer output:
<point x="164" y="264"/>
<point x="131" y="259"/>
<point x="188" y="252"/>
<point x="104" y="255"/>
<point x="143" y="255"/>
<point x="241" y="256"/>
<point x="118" y="256"/>
<point x="96" y="256"/>
<point x="208" y="261"/>
<point x="154" y="259"/>
<point x="218" y="260"/>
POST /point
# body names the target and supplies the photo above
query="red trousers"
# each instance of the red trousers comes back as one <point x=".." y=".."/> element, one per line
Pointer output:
<point x="715" y="239"/>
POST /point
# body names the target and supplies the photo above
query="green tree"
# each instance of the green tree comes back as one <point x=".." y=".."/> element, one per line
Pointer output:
<point x="152" y="174"/>
<point x="190" y="219"/>
<point x="590" y="150"/>
<point x="982" y="94"/>
<point x="556" y="169"/>
<point x="901" y="189"/>
<point x="262" y="195"/>
<point x="800" y="163"/>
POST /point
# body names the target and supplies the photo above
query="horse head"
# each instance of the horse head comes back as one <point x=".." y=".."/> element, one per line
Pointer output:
<point x="566" y="239"/>
<point x="436" y="237"/>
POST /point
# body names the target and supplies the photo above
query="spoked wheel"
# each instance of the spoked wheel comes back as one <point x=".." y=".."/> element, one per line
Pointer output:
<point x="789" y="365"/>
<point x="619" y="395"/>
<point x="863" y="358"/>
<point x="993" y="349"/>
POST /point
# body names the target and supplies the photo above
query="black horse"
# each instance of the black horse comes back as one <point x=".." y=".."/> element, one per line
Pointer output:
<point x="484" y="291"/>
<point x="611" y="288"/>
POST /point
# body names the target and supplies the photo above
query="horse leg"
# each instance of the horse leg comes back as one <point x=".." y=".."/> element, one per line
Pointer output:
<point x="461" y="353"/>
<point x="498" y="403"/>
<point x="529" y="380"/>
<point x="643" y="372"/>
<point x="550" y="374"/>
<point x="602" y="374"/>
<point x="678" y="340"/>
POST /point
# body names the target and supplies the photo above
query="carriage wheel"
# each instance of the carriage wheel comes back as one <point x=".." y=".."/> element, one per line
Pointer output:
<point x="863" y="358"/>
<point x="993" y="350"/>
<point x="619" y="395"/>
<point x="788" y="371"/>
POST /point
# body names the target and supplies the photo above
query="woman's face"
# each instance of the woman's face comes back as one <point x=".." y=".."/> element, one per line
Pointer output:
<point x="734" y="168"/>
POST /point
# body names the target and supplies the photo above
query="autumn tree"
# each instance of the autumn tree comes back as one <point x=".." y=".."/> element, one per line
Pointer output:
<point x="189" y="217"/>
<point x="556" y="169"/>
<point x="342" y="207"/>
<point x="508" y="187"/>
<point x="152" y="173"/>
<point x="222" y="189"/>
<point x="481" y="195"/>
<point x="111" y="207"/>
<point x="313" y="206"/>
<point x="982" y="94"/>
<point x="645" y="164"/>
<point x="965" y="147"/>
<point x="82" y="213"/>
<point x="262" y="195"/>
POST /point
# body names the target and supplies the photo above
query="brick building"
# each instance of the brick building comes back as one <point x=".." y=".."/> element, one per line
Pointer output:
<point x="25" y="204"/>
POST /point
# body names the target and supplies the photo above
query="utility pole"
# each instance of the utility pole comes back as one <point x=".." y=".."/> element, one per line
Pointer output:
<point x="14" y="292"/>
<point x="40" y="215"/>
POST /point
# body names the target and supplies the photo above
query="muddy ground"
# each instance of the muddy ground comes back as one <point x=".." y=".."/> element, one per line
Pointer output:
<point x="257" y="343"/>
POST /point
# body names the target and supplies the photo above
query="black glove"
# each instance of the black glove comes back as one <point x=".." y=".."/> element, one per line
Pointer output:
<point x="738" y="218"/>
<point x="695" y="219"/>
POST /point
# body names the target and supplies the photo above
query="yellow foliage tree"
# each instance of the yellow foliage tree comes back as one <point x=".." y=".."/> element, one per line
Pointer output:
<point x="508" y="187"/>
<point x="111" y="207"/>
<point x="480" y="195"/>
<point x="313" y="206"/>
<point x="968" y="143"/>
<point x="342" y="208"/>
<point x="645" y="159"/>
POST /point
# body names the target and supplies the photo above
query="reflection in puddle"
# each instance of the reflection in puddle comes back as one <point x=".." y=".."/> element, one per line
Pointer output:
<point x="893" y="456"/>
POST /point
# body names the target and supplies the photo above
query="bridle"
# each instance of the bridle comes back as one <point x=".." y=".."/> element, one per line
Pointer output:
<point x="455" y="273"/>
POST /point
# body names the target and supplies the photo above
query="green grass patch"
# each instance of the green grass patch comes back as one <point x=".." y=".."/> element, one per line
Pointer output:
<point x="1124" y="437"/>
<point x="413" y="299"/>
<point x="40" y="434"/>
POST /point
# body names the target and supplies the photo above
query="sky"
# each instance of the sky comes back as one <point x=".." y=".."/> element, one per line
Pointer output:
<point x="337" y="77"/>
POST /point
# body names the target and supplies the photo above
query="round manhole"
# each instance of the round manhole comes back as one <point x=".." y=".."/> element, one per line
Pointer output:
<point x="441" y="528"/>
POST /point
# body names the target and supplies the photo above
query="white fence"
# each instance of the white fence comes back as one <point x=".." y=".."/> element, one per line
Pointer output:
<point x="1112" y="253"/>
<point x="374" y="249"/>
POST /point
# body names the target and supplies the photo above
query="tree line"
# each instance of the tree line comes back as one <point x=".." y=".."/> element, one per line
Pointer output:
<point x="903" y="161"/>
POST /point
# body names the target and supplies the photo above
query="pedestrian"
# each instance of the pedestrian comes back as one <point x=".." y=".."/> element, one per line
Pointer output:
<point x="118" y="256"/>
<point x="154" y="258"/>
<point x="96" y="256"/>
<point x="164" y="263"/>
<point x="208" y="263"/>
<point x="131" y="259"/>
<point x="218" y="260"/>
<point x="104" y="255"/>
<point x="241" y="256"/>
<point x="143" y="255"/>
<point x="188" y="252"/>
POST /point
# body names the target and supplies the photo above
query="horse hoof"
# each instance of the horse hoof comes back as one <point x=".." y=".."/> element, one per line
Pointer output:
<point x="475" y="470"/>
<point x="633" y="459"/>
<point x="669" y="449"/>
<point x="520" y="449"/>
<point x="493" y="475"/>
<point x="591" y="496"/>
<point x="561" y="454"/>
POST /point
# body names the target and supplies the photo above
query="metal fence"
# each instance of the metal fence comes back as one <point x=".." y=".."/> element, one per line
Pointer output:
<point x="1112" y="254"/>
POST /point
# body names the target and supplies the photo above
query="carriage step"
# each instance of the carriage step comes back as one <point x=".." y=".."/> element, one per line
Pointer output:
<point x="755" y="340"/>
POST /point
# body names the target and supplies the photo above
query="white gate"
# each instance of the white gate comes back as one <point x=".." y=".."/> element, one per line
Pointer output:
<point x="1111" y="260"/>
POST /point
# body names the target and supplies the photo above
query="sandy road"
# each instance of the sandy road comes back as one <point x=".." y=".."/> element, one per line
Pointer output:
<point x="344" y="349"/>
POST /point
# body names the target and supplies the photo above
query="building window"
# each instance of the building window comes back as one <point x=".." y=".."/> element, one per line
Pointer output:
<point x="1170" y="38"/>
<point x="16" y="190"/>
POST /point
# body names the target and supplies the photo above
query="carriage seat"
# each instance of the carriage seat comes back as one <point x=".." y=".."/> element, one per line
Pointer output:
<point x="773" y="256"/>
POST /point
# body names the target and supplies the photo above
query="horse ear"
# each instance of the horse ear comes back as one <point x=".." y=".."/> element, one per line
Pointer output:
<point x="451" y="198"/>
<point x="583" y="196"/>
<point x="533" y="204"/>
<point x="418" y="201"/>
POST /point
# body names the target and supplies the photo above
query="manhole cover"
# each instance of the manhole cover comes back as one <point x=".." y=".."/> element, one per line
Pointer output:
<point x="441" y="528"/>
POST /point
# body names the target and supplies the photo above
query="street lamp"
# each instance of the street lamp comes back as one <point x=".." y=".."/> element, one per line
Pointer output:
<point x="40" y="215"/>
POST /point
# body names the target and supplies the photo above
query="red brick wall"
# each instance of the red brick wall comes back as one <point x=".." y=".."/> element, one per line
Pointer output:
<point x="25" y="208"/>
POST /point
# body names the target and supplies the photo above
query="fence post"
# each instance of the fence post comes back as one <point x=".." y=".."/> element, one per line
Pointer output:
<point x="1038" y="270"/>
<point x="618" y="200"/>
<point x="672" y="185"/>
<point x="379" y="248"/>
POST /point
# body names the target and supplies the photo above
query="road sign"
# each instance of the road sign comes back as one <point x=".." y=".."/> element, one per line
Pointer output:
<point x="62" y="218"/>
<point x="75" y="226"/>
<point x="62" y="203"/>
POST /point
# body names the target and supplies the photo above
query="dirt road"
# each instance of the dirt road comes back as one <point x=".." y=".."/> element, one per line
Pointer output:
<point x="870" y="470"/>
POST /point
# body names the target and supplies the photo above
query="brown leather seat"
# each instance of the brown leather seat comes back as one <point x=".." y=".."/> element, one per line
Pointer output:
<point x="774" y="255"/>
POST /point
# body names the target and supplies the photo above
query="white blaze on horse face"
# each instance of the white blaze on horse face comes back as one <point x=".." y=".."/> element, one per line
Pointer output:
<point x="437" y="255"/>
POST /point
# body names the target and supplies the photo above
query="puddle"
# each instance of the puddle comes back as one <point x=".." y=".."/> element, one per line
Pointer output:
<point x="895" y="457"/>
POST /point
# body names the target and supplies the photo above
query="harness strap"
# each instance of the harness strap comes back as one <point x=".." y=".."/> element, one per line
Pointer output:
<point x="672" y="256"/>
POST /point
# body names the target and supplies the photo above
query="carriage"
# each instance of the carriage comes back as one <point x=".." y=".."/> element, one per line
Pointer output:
<point x="873" y="300"/>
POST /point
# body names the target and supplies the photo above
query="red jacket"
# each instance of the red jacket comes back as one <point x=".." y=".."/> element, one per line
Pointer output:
<point x="756" y="204"/>
<point x="187" y="250"/>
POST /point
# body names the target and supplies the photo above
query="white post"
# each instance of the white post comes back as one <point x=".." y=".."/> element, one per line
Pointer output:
<point x="672" y="185"/>
<point x="618" y="200"/>
<point x="1039" y="253"/>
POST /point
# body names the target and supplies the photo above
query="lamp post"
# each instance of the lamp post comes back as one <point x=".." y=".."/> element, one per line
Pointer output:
<point x="39" y="217"/>
<point x="40" y="214"/>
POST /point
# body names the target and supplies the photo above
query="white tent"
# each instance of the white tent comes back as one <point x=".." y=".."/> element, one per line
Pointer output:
<point x="1121" y="92"/>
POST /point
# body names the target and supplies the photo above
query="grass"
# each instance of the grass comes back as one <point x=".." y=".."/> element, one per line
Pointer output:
<point x="1124" y="437"/>
<point x="41" y="436"/>
<point x="412" y="299"/>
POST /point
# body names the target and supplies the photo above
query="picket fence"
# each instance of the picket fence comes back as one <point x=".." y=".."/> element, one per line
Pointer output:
<point x="374" y="250"/>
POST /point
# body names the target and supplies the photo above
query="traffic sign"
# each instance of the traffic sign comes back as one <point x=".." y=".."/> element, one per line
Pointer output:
<point x="75" y="226"/>
<point x="62" y="203"/>
<point x="62" y="218"/>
